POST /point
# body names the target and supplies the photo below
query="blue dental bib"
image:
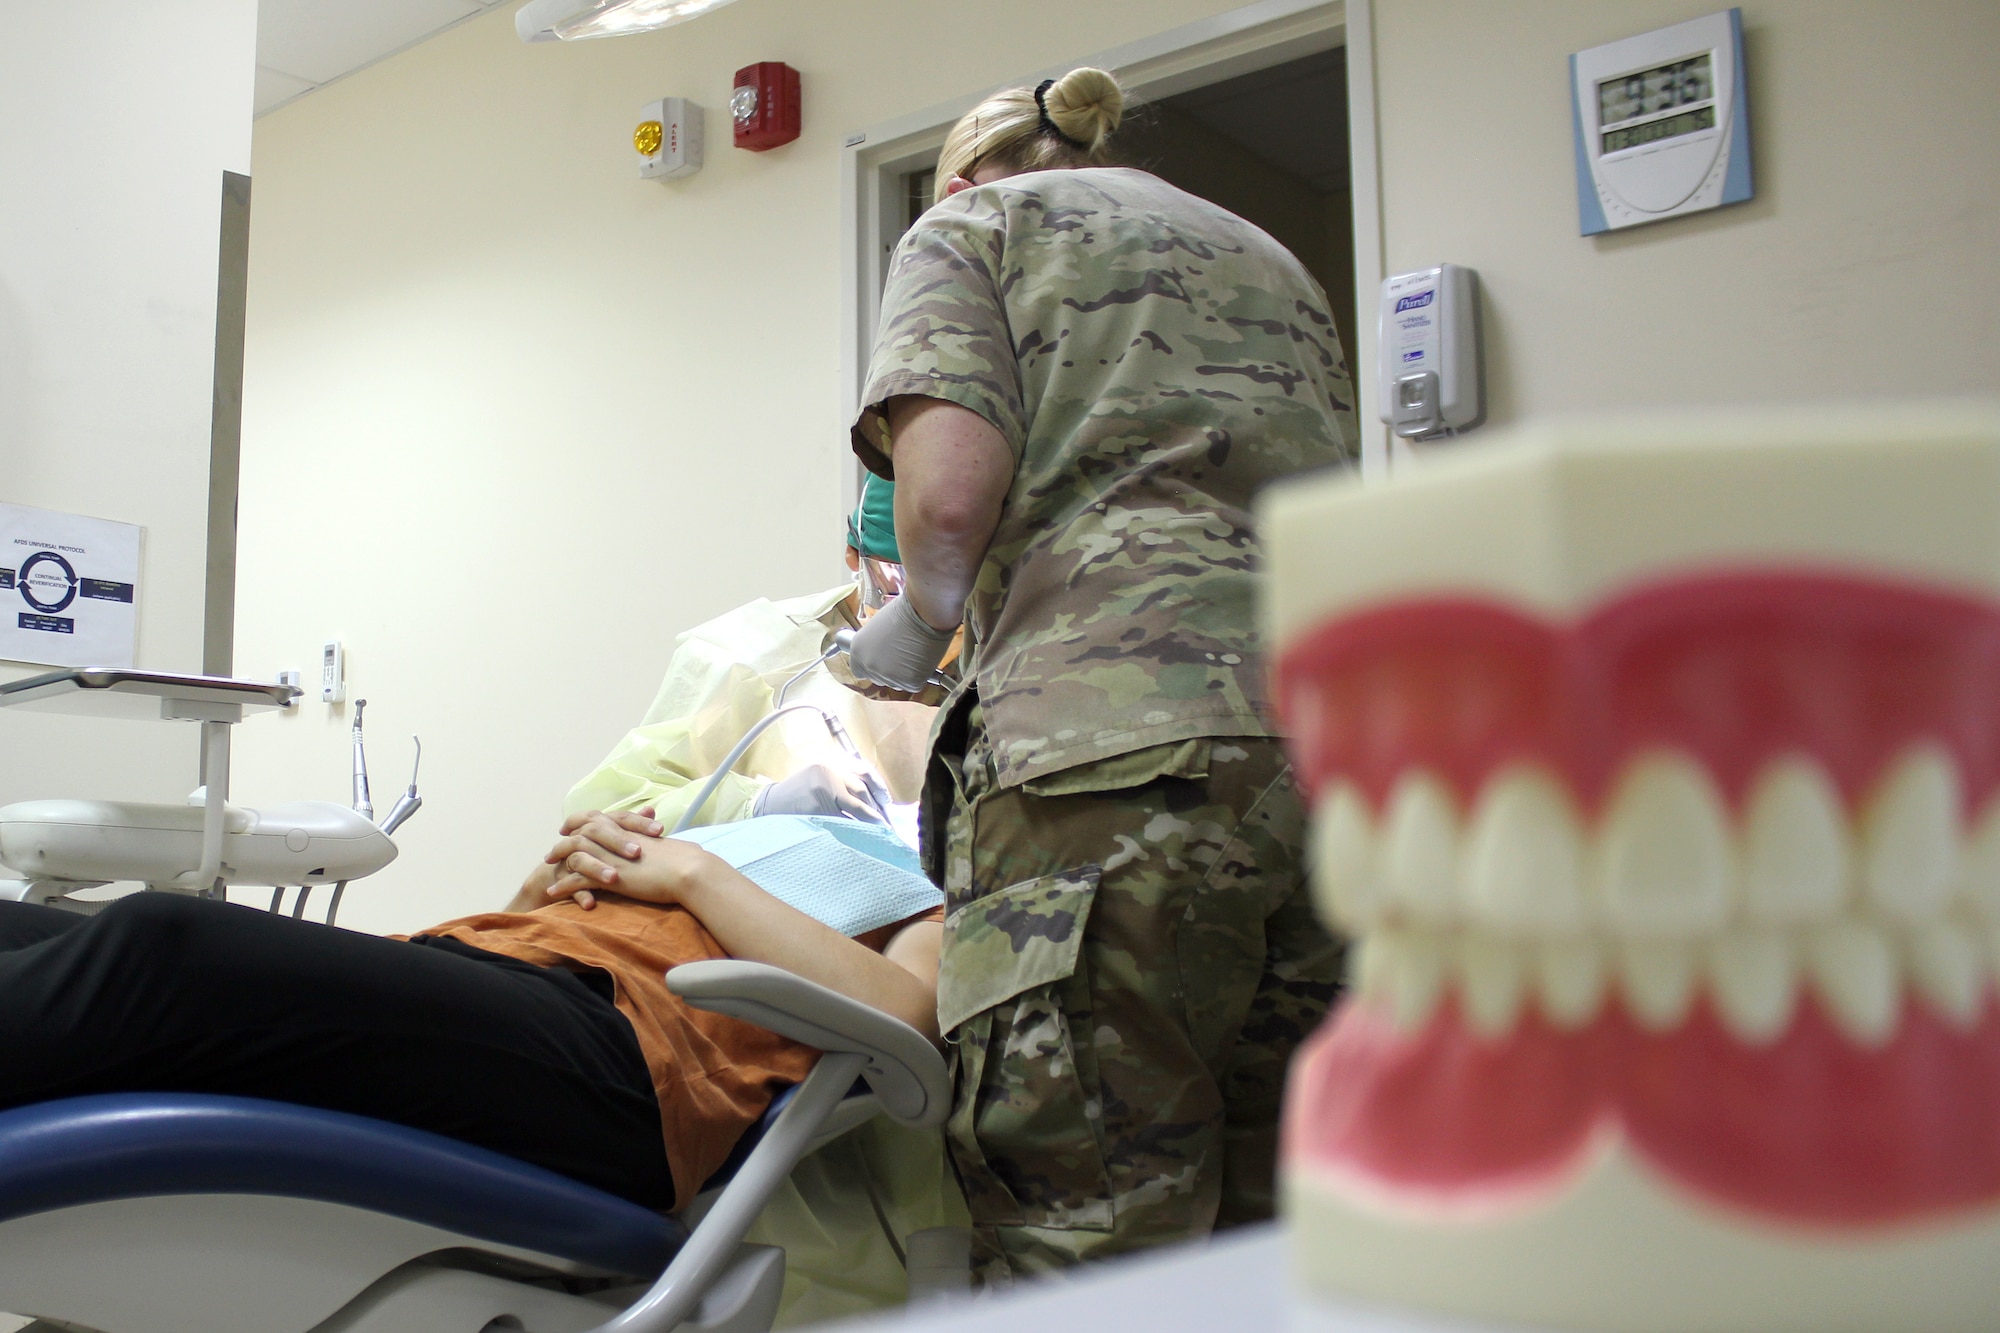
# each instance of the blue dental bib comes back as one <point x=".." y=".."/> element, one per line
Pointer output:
<point x="852" y="876"/>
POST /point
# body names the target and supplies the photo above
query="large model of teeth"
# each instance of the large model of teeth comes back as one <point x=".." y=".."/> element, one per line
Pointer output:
<point x="1656" y="775"/>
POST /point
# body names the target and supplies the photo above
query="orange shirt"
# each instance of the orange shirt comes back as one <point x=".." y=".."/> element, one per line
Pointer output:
<point x="714" y="1075"/>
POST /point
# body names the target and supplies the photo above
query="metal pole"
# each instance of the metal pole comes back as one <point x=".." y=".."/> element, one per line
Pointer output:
<point x="207" y="877"/>
<point x="708" y="1252"/>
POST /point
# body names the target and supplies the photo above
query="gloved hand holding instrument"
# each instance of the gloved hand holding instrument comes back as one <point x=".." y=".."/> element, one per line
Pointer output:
<point x="897" y="647"/>
<point x="821" y="789"/>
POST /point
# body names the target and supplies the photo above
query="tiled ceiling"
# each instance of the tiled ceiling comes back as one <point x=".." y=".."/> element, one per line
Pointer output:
<point x="307" y="44"/>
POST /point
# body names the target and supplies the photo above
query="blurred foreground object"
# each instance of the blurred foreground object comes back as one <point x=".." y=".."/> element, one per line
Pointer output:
<point x="1654" y="767"/>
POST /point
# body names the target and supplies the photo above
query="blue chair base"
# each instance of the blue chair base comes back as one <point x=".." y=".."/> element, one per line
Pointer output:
<point x="158" y="1213"/>
<point x="154" y="1213"/>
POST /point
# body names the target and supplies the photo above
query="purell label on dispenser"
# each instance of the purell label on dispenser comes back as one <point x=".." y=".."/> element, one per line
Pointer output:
<point x="1414" y="335"/>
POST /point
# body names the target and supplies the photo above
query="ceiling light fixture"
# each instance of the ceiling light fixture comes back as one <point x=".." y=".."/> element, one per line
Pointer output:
<point x="574" y="20"/>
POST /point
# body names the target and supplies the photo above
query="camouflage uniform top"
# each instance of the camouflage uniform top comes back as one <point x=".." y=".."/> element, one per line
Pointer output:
<point x="1152" y="360"/>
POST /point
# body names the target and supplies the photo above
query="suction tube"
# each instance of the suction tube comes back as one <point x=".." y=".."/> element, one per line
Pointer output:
<point x="763" y="724"/>
<point x="409" y="802"/>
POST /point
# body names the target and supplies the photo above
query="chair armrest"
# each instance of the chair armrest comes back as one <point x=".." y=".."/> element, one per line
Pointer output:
<point x="904" y="1070"/>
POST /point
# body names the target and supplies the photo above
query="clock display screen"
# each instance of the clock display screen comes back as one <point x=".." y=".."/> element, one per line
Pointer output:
<point x="1651" y="91"/>
<point x="1687" y="122"/>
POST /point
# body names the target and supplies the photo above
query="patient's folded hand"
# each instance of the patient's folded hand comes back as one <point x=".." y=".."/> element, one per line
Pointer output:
<point x="601" y="852"/>
<point x="572" y="868"/>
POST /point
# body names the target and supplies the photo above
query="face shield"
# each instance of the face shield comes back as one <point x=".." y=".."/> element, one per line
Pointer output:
<point x="871" y="544"/>
<point x="879" y="580"/>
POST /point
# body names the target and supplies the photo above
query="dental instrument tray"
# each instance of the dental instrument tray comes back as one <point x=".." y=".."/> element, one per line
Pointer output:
<point x="199" y="846"/>
<point x="145" y="695"/>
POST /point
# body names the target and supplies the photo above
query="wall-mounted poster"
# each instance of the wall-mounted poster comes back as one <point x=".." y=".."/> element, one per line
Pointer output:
<point x="68" y="588"/>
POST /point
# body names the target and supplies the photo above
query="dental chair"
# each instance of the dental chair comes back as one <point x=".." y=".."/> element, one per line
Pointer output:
<point x="161" y="1213"/>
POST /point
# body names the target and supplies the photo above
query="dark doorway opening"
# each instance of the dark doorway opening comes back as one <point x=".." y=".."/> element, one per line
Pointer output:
<point x="1271" y="147"/>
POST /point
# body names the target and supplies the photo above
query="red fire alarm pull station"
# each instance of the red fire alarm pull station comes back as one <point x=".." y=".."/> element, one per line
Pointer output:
<point x="765" y="105"/>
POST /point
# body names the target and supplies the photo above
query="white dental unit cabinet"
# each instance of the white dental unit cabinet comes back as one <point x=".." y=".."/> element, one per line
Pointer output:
<point x="1661" y="124"/>
<point x="64" y="846"/>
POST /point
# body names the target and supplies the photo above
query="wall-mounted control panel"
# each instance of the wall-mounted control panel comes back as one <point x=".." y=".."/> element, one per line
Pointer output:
<point x="332" y="672"/>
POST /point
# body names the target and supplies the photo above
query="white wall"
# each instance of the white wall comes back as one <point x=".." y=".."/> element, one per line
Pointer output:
<point x="1865" y="266"/>
<point x="514" y="418"/>
<point x="118" y="129"/>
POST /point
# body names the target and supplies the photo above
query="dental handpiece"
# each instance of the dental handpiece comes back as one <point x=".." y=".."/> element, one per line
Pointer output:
<point x="409" y="802"/>
<point x="876" y="791"/>
<point x="362" y="805"/>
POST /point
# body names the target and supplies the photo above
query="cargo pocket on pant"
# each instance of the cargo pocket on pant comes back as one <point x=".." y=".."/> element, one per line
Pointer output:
<point x="1027" y="1123"/>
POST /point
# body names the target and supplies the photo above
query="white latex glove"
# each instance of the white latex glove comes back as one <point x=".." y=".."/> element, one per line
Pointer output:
<point x="818" y="789"/>
<point x="897" y="647"/>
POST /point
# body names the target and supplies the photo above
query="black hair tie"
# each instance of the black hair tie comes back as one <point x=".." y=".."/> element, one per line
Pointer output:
<point x="1041" y="105"/>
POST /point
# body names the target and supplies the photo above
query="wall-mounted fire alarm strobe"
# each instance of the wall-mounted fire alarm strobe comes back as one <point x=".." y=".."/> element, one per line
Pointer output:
<point x="765" y="105"/>
<point x="668" y="137"/>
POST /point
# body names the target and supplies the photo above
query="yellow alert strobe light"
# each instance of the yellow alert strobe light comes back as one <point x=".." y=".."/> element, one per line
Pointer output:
<point x="668" y="137"/>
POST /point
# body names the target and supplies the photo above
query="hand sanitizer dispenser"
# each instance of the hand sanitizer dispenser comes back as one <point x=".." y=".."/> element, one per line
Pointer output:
<point x="1428" y="375"/>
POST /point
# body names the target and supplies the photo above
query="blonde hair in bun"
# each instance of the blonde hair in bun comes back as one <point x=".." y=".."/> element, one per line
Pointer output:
<point x="1066" y="125"/>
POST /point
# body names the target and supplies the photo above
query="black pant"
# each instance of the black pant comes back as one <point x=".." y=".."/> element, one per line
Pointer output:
<point x="161" y="993"/>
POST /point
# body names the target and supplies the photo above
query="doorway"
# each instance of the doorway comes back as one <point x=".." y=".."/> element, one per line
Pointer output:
<point x="1271" y="147"/>
<point x="1261" y="91"/>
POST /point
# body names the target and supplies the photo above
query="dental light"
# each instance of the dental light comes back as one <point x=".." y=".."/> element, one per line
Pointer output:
<point x="575" y="20"/>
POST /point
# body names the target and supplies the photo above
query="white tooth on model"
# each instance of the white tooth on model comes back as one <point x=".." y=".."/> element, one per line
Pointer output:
<point x="1492" y="983"/>
<point x="1404" y="972"/>
<point x="1657" y="977"/>
<point x="1523" y="854"/>
<point x="1854" y="970"/>
<point x="1756" y="982"/>
<point x="1909" y="846"/>
<point x="1980" y="871"/>
<point x="1665" y="865"/>
<point x="1989" y="931"/>
<point x="1946" y="966"/>
<point x="1367" y="975"/>
<point x="1572" y="973"/>
<point x="1795" y="857"/>
<point x="1420" y="849"/>
<point x="1344" y="884"/>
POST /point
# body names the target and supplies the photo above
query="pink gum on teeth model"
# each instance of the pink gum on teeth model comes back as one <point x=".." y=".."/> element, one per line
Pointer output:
<point x="1656" y="772"/>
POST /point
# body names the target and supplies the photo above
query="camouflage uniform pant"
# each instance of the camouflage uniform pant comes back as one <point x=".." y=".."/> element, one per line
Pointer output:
<point x="1129" y="960"/>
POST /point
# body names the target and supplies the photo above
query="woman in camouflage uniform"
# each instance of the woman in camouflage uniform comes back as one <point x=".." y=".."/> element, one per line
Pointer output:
<point x="1081" y="378"/>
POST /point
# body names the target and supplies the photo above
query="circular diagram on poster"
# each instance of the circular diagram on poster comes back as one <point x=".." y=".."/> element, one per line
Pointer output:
<point x="39" y="582"/>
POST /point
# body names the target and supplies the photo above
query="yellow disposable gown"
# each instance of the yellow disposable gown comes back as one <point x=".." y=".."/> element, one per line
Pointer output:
<point x="723" y="677"/>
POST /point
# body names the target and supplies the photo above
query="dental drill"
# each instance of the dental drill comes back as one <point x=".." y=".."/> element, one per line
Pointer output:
<point x="877" y="792"/>
<point x="406" y="805"/>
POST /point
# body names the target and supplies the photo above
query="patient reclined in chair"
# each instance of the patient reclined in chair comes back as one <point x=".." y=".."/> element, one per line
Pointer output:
<point x="545" y="1033"/>
<point x="550" y="1035"/>
<point x="166" y="1209"/>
